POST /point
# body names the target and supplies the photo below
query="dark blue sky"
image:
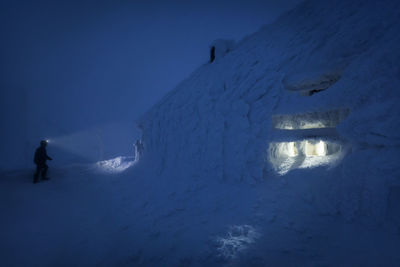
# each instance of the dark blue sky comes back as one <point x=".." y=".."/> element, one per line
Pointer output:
<point x="90" y="62"/>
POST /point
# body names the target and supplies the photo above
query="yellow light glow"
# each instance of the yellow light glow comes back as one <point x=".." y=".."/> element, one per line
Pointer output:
<point x="292" y="150"/>
<point x="308" y="149"/>
<point x="320" y="148"/>
<point x="312" y="125"/>
<point x="303" y="125"/>
<point x="286" y="156"/>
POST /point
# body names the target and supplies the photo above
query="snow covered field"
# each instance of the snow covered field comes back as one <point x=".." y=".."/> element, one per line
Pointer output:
<point x="84" y="217"/>
<point x="282" y="152"/>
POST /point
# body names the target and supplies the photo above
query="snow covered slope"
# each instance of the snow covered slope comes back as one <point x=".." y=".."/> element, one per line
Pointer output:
<point x="282" y="152"/>
<point x="329" y="71"/>
<point x="220" y="117"/>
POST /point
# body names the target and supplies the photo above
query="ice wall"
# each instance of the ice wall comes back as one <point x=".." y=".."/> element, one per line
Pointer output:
<point x="306" y="111"/>
<point x="221" y="123"/>
<point x="219" y="119"/>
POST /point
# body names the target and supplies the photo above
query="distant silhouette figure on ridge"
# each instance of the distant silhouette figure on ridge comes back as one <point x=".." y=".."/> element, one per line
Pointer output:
<point x="40" y="160"/>
<point x="212" y="54"/>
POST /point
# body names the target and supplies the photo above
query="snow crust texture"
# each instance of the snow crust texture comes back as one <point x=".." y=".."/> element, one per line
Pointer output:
<point x="282" y="152"/>
<point x="219" y="119"/>
<point x="306" y="109"/>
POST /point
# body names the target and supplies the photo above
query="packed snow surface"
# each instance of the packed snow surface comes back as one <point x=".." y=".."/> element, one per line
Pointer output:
<point x="283" y="152"/>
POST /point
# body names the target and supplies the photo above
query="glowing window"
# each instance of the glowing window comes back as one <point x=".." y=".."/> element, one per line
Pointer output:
<point x="315" y="149"/>
<point x="309" y="153"/>
<point x="311" y="120"/>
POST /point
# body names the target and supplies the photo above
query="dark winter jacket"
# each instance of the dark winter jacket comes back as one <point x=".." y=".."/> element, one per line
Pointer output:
<point x="41" y="156"/>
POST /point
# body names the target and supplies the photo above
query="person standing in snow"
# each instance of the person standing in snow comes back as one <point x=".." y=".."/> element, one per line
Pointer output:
<point x="40" y="160"/>
<point x="139" y="148"/>
<point x="212" y="54"/>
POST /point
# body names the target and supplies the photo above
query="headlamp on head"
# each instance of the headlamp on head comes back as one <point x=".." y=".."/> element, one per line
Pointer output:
<point x="44" y="142"/>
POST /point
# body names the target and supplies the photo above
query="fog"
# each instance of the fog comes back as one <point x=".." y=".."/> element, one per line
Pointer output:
<point x="75" y="66"/>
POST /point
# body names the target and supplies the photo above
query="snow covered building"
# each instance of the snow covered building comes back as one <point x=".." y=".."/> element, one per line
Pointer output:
<point x="306" y="109"/>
